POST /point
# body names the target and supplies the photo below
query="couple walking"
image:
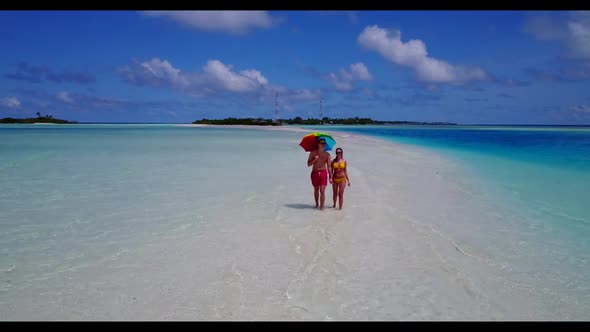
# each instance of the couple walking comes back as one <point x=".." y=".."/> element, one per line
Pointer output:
<point x="324" y="170"/>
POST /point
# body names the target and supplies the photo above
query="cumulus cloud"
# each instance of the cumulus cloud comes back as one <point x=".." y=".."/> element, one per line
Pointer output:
<point x="358" y="71"/>
<point x="344" y="78"/>
<point x="573" y="32"/>
<point x="37" y="74"/>
<point x="10" y="102"/>
<point x="413" y="54"/>
<point x="230" y="21"/>
<point x="215" y="76"/>
<point x="154" y="72"/>
<point x="578" y="39"/>
<point x="65" y="97"/>
<point x="227" y="79"/>
<point x="219" y="79"/>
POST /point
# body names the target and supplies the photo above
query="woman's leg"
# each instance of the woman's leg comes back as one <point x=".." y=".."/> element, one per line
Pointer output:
<point x="341" y="193"/>
<point x="335" y="192"/>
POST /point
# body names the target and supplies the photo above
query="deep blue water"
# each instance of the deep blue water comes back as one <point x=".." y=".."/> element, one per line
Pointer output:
<point x="562" y="147"/>
<point x="545" y="170"/>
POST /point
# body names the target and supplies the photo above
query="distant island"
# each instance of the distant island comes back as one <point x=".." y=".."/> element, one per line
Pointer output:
<point x="311" y="121"/>
<point x="38" y="119"/>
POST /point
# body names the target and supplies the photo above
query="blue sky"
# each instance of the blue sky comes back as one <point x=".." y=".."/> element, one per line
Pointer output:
<point x="486" y="67"/>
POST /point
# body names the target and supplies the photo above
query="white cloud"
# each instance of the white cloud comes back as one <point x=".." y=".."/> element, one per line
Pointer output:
<point x="413" y="54"/>
<point x="231" y="21"/>
<point x="360" y="72"/>
<point x="216" y="76"/>
<point x="65" y="97"/>
<point x="579" y="35"/>
<point x="219" y="79"/>
<point x="223" y="76"/>
<point x="338" y="83"/>
<point x="154" y="72"/>
<point x="10" y="102"/>
<point x="572" y="31"/>
<point x="344" y="78"/>
<point x="216" y="79"/>
<point x="163" y="71"/>
<point x="254" y="75"/>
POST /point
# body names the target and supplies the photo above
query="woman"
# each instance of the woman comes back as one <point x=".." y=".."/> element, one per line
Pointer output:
<point x="339" y="176"/>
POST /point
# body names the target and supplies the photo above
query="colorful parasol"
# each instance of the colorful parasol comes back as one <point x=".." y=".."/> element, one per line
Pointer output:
<point x="310" y="141"/>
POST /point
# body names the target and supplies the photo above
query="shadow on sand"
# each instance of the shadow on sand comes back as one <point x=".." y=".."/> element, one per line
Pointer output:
<point x="300" y="206"/>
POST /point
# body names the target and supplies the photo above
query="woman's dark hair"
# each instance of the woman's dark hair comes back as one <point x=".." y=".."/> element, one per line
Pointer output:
<point x="335" y="151"/>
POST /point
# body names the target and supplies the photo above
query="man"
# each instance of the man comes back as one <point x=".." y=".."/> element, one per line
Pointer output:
<point x="321" y="172"/>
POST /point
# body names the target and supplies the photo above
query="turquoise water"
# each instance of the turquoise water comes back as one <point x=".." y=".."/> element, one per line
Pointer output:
<point x="74" y="196"/>
<point x="543" y="172"/>
<point x="545" y="168"/>
<point x="536" y="180"/>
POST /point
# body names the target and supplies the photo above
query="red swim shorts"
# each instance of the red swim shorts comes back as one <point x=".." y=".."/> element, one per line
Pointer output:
<point x="319" y="178"/>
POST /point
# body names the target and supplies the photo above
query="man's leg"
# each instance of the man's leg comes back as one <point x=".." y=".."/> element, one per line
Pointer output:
<point x="316" y="188"/>
<point x="322" y="196"/>
<point x="316" y="194"/>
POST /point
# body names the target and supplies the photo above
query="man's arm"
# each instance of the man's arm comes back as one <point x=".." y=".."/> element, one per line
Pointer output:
<point x="331" y="169"/>
<point x="312" y="158"/>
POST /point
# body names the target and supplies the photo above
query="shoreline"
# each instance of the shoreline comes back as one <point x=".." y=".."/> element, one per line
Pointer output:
<point x="487" y="260"/>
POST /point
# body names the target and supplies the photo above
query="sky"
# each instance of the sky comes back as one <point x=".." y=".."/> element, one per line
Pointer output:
<point x="469" y="67"/>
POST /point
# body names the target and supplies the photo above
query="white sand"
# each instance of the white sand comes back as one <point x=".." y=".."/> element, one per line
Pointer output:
<point x="275" y="257"/>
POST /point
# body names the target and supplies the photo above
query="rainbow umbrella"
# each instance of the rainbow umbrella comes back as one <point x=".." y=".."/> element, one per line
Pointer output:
<point x="310" y="141"/>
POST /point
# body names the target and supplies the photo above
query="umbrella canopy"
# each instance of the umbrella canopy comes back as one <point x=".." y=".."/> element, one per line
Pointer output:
<point x="310" y="141"/>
